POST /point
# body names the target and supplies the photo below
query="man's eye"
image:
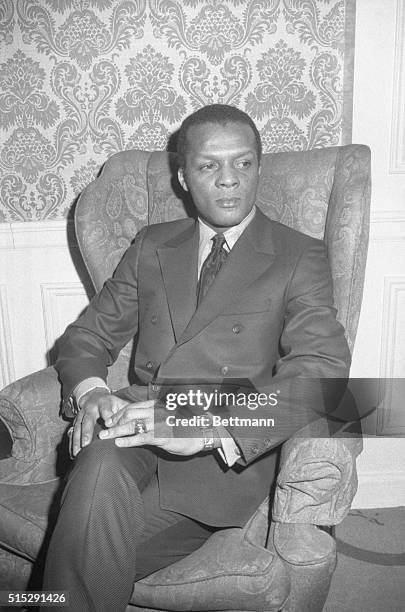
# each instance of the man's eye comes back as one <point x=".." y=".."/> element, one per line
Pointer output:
<point x="209" y="166"/>
<point x="245" y="163"/>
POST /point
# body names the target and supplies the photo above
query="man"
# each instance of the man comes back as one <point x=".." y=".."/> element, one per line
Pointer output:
<point x="232" y="299"/>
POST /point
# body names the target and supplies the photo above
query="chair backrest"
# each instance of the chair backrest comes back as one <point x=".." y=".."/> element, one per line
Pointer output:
<point x="324" y="193"/>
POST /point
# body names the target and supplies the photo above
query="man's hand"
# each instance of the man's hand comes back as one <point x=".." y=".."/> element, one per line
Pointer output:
<point x="123" y="426"/>
<point x="93" y="405"/>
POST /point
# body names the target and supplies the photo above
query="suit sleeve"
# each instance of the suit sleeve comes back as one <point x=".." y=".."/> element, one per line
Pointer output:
<point x="94" y="340"/>
<point x="311" y="375"/>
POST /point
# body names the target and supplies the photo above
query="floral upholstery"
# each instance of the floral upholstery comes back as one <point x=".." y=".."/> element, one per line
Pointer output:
<point x="117" y="208"/>
<point x="324" y="193"/>
<point x="333" y="481"/>
<point x="228" y="568"/>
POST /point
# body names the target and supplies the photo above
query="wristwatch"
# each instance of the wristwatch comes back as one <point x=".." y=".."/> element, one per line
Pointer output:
<point x="74" y="402"/>
<point x="74" y="406"/>
<point x="210" y="437"/>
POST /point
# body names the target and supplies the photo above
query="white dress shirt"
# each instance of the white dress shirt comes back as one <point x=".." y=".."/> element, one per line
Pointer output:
<point x="231" y="235"/>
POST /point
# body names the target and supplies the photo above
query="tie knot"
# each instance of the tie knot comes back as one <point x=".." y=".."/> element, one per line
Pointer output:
<point x="218" y="241"/>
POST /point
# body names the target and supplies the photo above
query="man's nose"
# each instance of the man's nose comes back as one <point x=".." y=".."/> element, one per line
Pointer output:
<point x="227" y="178"/>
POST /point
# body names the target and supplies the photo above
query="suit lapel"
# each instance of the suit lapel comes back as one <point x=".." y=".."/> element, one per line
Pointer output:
<point x="179" y="261"/>
<point x="250" y="257"/>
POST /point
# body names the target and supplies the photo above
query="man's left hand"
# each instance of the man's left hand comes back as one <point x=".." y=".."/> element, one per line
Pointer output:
<point x="124" y="424"/>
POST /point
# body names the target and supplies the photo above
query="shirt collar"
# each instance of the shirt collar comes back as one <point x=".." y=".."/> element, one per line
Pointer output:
<point x="231" y="235"/>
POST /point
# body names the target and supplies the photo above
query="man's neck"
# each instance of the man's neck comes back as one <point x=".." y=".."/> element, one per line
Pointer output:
<point x="239" y="228"/>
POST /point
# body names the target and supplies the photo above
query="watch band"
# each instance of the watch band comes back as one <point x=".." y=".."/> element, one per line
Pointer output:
<point x="74" y="406"/>
<point x="210" y="438"/>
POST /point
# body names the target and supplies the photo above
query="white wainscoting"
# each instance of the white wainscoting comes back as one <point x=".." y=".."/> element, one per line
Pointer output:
<point x="59" y="301"/>
<point x="397" y="153"/>
<point x="379" y="353"/>
<point x="40" y="293"/>
<point x="379" y="121"/>
<point x="7" y="372"/>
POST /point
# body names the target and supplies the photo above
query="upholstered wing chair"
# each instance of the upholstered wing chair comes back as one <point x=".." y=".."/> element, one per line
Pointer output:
<point x="284" y="563"/>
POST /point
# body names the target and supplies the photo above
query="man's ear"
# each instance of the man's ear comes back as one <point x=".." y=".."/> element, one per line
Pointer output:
<point x="182" y="180"/>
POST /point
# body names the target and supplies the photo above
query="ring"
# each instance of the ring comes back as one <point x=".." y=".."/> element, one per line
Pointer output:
<point x="139" y="426"/>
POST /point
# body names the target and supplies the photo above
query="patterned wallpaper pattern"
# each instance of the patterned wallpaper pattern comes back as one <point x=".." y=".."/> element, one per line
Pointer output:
<point x="83" y="79"/>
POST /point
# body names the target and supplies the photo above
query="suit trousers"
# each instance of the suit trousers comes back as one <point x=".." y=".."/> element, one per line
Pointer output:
<point x="111" y="530"/>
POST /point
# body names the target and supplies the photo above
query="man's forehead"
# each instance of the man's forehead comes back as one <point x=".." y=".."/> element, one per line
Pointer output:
<point x="229" y="137"/>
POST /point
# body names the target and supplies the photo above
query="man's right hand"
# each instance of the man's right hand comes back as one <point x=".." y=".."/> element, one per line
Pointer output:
<point x="98" y="402"/>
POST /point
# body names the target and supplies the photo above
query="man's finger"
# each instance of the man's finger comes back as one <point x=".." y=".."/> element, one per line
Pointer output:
<point x="129" y="412"/>
<point x="76" y="436"/>
<point x="110" y="405"/>
<point x="87" y="428"/>
<point x="126" y="429"/>
<point x="70" y="440"/>
<point x="137" y="440"/>
<point x="122" y="416"/>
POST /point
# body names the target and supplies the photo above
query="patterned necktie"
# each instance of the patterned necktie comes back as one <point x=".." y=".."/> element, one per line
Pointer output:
<point x="211" y="266"/>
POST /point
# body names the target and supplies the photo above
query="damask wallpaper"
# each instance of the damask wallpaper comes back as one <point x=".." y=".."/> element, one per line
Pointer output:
<point x="83" y="79"/>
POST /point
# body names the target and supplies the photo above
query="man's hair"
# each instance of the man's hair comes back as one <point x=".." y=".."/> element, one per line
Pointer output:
<point x="220" y="114"/>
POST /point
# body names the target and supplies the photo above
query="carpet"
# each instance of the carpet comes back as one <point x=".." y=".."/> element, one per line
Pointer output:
<point x="370" y="574"/>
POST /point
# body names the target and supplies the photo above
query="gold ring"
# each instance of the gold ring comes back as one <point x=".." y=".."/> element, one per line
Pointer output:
<point x="140" y="426"/>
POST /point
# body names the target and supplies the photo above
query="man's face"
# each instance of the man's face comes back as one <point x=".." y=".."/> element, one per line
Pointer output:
<point x="221" y="172"/>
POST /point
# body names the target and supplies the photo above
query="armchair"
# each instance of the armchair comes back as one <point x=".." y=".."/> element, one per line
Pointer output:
<point x="285" y="563"/>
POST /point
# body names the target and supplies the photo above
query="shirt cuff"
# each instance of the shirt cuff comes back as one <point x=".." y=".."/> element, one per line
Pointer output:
<point x="86" y="385"/>
<point x="228" y="451"/>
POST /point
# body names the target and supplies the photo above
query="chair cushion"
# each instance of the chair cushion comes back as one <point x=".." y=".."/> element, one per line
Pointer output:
<point x="25" y="511"/>
<point x="229" y="571"/>
<point x="15" y="572"/>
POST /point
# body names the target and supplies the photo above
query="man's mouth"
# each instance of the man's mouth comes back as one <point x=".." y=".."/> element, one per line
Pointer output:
<point x="228" y="202"/>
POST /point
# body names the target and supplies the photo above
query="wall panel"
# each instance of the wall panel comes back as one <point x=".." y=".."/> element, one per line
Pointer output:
<point x="43" y="288"/>
<point x="397" y="154"/>
<point x="7" y="374"/>
<point x="391" y="419"/>
<point x="378" y="120"/>
<point x="59" y="302"/>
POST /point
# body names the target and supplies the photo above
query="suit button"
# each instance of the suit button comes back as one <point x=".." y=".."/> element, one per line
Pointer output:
<point x="255" y="449"/>
<point x="150" y="365"/>
<point x="237" y="328"/>
<point x="153" y="319"/>
<point x="224" y="370"/>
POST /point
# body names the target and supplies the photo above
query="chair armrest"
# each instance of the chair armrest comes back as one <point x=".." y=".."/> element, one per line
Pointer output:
<point x="347" y="233"/>
<point x="29" y="408"/>
<point x="317" y="480"/>
<point x="309" y="556"/>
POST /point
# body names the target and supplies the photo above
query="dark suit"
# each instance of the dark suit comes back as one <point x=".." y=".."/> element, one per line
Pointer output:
<point x="268" y="318"/>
